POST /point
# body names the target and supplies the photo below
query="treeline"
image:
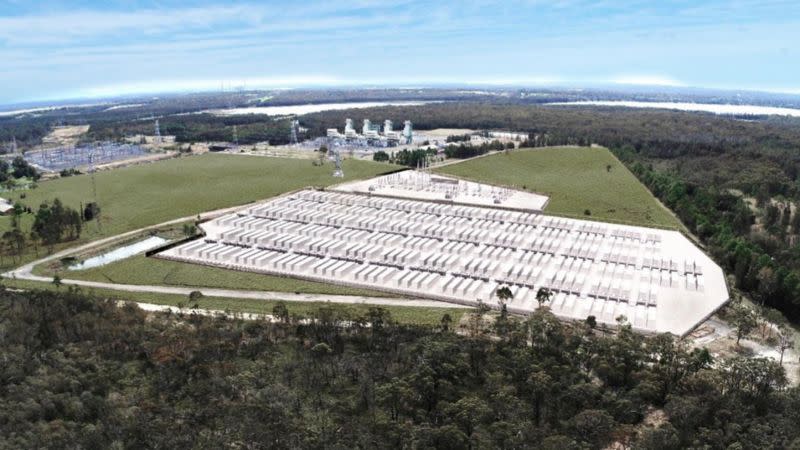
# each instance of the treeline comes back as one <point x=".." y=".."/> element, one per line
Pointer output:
<point x="406" y="157"/>
<point x="250" y="129"/>
<point x="56" y="223"/>
<point x="52" y="224"/>
<point x="19" y="168"/>
<point x="724" y="222"/>
<point x="458" y="138"/>
<point x="465" y="150"/>
<point x="79" y="372"/>
<point x="26" y="132"/>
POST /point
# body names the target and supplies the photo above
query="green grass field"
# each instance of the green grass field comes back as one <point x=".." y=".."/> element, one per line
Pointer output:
<point x="414" y="315"/>
<point x="148" y="194"/>
<point x="152" y="271"/>
<point x="576" y="179"/>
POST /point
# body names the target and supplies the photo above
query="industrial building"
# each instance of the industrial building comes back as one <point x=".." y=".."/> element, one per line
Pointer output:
<point x="460" y="251"/>
<point x="371" y="133"/>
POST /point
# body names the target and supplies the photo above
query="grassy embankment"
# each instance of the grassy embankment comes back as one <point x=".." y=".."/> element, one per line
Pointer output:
<point x="576" y="179"/>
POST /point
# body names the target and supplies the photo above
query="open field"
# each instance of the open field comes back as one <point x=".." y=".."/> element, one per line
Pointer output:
<point x="576" y="179"/>
<point x="415" y="315"/>
<point x="138" y="196"/>
<point x="153" y="271"/>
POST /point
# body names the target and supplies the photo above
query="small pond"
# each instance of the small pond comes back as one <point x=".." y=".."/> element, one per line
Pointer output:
<point x="120" y="253"/>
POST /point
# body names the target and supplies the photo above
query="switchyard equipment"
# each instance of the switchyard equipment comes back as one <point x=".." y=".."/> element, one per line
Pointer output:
<point x="337" y="161"/>
<point x="67" y="157"/>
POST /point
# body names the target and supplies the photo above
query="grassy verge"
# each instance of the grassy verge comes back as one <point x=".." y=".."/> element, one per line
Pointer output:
<point x="153" y="271"/>
<point x="404" y="314"/>
<point x="577" y="179"/>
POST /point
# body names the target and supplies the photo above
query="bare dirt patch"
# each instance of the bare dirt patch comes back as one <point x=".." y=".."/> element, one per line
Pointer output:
<point x="444" y="132"/>
<point x="64" y="136"/>
<point x="720" y="339"/>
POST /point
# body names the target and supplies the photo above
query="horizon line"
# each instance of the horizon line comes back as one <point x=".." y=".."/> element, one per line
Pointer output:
<point x="103" y="94"/>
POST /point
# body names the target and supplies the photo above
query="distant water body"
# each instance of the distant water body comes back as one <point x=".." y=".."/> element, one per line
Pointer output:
<point x="705" y="107"/>
<point x="307" y="109"/>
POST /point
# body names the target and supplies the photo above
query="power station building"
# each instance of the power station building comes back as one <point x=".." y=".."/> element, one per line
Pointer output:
<point x="372" y="133"/>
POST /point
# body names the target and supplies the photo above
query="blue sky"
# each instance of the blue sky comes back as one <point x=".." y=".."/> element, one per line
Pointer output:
<point x="56" y="50"/>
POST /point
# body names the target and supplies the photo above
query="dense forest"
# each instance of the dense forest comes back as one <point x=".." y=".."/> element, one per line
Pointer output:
<point x="81" y="372"/>
<point x="23" y="133"/>
<point x="250" y="129"/>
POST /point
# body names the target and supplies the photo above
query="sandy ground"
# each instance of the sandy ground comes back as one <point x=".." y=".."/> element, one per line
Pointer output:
<point x="64" y="136"/>
<point x="150" y="141"/>
<point x="720" y="339"/>
<point x="442" y="133"/>
<point x="140" y="160"/>
<point x="150" y="307"/>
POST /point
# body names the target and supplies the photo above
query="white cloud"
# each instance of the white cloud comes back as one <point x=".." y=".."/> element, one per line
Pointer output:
<point x="89" y="23"/>
<point x="183" y="23"/>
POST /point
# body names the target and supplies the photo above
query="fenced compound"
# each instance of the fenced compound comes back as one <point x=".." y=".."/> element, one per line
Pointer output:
<point x="463" y="254"/>
<point x="59" y="158"/>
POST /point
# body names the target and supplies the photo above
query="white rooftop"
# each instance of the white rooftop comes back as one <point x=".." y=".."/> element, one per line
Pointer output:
<point x="423" y="185"/>
<point x="658" y="279"/>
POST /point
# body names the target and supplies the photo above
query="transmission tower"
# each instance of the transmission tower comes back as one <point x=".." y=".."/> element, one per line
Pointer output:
<point x="157" y="139"/>
<point x="235" y="136"/>
<point x="94" y="184"/>
<point x="14" y="145"/>
<point x="293" y="134"/>
<point x="337" y="160"/>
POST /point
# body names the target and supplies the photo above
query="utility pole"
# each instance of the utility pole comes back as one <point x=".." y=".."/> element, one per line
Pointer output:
<point x="157" y="139"/>
<point x="94" y="187"/>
